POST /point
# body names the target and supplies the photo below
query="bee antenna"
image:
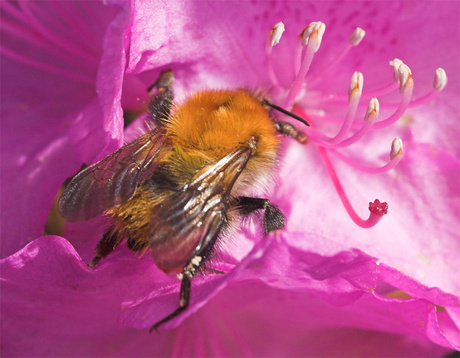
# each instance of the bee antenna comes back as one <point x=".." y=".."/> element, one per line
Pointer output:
<point x="287" y="113"/>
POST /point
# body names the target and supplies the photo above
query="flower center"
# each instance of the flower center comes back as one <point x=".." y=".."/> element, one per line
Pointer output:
<point x="349" y="129"/>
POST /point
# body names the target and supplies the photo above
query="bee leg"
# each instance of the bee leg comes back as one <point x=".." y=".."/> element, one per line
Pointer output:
<point x="184" y="300"/>
<point x="289" y="130"/>
<point x="161" y="99"/>
<point x="273" y="217"/>
<point x="213" y="271"/>
<point x="106" y="245"/>
<point x="136" y="245"/>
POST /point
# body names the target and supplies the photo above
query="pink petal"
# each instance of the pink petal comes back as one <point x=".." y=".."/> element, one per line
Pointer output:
<point x="50" y="110"/>
<point x="306" y="303"/>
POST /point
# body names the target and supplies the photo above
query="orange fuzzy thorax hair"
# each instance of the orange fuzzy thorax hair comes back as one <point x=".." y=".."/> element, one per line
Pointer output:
<point x="214" y="123"/>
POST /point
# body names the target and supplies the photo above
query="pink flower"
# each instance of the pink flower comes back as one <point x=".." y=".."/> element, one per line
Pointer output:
<point x="322" y="286"/>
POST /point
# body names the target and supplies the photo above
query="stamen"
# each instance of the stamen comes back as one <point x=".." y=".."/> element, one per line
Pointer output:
<point x="313" y="34"/>
<point x="406" y="87"/>
<point x="373" y="109"/>
<point x="298" y="54"/>
<point x="356" y="36"/>
<point x="396" y="63"/>
<point x="371" y="116"/>
<point x="276" y="32"/>
<point x="311" y="38"/>
<point x="376" y="209"/>
<point x="396" y="148"/>
<point x="396" y="154"/>
<point x="405" y="77"/>
<point x="273" y="38"/>
<point x="319" y="138"/>
<point x="354" y="94"/>
<point x="440" y="81"/>
<point x="354" y="40"/>
<point x="356" y="86"/>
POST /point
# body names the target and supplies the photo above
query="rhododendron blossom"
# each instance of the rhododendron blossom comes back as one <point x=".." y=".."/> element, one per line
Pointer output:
<point x="366" y="265"/>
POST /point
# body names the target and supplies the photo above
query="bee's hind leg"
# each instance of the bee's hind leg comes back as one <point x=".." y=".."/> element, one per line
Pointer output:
<point x="106" y="245"/>
<point x="273" y="218"/>
<point x="185" y="288"/>
<point x="184" y="300"/>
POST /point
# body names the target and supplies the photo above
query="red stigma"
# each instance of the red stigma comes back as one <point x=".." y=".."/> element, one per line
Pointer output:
<point x="378" y="208"/>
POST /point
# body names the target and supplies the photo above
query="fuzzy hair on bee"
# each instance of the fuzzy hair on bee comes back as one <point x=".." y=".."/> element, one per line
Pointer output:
<point x="179" y="187"/>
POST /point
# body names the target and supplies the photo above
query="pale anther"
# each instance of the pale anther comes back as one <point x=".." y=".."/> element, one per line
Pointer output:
<point x="396" y="63"/>
<point x="356" y="85"/>
<point x="314" y="31"/>
<point x="356" y="36"/>
<point x="440" y="79"/>
<point x="405" y="76"/>
<point x="396" y="148"/>
<point x="373" y="108"/>
<point x="276" y="32"/>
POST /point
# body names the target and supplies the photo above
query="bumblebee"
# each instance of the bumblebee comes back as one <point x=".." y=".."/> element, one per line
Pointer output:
<point x="176" y="189"/>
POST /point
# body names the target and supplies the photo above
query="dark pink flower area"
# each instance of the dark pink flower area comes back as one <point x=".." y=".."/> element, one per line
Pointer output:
<point x="320" y="287"/>
<point x="62" y="73"/>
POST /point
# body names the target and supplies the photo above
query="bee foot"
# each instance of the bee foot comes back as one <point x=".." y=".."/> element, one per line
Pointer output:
<point x="94" y="261"/>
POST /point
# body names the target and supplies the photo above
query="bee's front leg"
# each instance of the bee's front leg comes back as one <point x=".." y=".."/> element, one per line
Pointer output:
<point x="273" y="217"/>
<point x="184" y="300"/>
<point x="289" y="130"/>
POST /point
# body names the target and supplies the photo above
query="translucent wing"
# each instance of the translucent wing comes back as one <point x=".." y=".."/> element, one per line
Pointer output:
<point x="114" y="179"/>
<point x="191" y="219"/>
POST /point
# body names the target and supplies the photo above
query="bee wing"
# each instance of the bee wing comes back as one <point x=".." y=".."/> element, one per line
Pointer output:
<point x="190" y="220"/>
<point x="114" y="179"/>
